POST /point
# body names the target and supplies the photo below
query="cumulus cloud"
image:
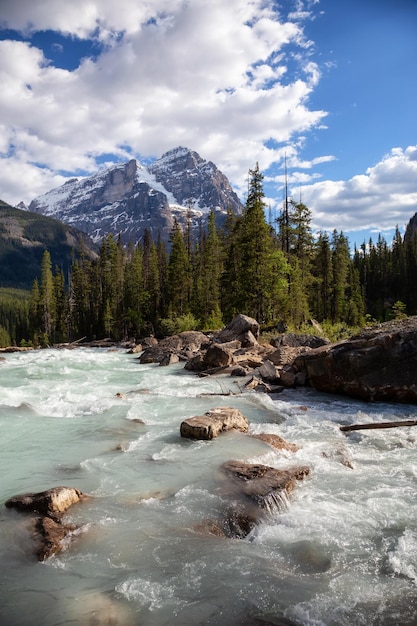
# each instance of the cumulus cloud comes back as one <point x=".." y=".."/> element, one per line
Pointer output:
<point x="206" y="74"/>
<point x="381" y="198"/>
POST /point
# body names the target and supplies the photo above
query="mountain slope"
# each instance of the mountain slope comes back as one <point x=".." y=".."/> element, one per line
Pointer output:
<point x="24" y="237"/>
<point x="128" y="198"/>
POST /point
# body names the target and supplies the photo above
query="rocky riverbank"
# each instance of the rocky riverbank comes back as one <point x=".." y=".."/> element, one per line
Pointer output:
<point x="380" y="363"/>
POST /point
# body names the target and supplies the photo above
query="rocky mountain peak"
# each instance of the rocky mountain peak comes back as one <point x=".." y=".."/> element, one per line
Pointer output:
<point x="128" y="198"/>
<point x="194" y="181"/>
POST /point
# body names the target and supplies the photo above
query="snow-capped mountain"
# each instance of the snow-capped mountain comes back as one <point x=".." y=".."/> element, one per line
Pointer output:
<point x="127" y="198"/>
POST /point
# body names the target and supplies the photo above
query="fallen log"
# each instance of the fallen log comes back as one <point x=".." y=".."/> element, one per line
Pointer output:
<point x="378" y="425"/>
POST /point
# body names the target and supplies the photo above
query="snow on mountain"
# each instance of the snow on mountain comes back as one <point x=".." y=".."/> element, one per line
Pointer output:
<point x="128" y="198"/>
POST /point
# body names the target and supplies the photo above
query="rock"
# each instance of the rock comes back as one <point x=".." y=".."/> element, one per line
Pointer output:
<point x="240" y="325"/>
<point x="169" y="359"/>
<point x="50" y="536"/>
<point x="259" y="385"/>
<point x="149" y="342"/>
<point x="288" y="376"/>
<point x="214" y="422"/>
<point x="269" y="372"/>
<point x="256" y="491"/>
<point x="260" y="481"/>
<point x="239" y="370"/>
<point x="136" y="349"/>
<point x="297" y="340"/>
<point x="380" y="363"/>
<point x="276" y="442"/>
<point x="217" y="356"/>
<point x="51" y="502"/>
<point x="285" y="355"/>
<point x="185" y="345"/>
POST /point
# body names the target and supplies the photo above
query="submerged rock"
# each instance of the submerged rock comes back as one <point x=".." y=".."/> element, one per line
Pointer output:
<point x="49" y="533"/>
<point x="50" y="536"/>
<point x="214" y="422"/>
<point x="277" y="442"/>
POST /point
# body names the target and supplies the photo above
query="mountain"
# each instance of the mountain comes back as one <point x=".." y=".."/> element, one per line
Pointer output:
<point x="24" y="237"/>
<point x="128" y="198"/>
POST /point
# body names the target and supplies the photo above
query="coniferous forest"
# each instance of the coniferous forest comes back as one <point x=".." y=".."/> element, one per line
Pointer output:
<point x="275" y="272"/>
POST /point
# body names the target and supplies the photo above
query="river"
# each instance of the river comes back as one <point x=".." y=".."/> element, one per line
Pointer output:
<point x="341" y="551"/>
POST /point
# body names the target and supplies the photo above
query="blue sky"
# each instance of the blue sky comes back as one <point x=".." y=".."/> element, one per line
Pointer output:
<point x="328" y="85"/>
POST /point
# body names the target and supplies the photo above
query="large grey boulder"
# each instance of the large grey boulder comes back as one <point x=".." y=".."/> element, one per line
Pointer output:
<point x="214" y="422"/>
<point x="185" y="345"/>
<point x="239" y="328"/>
<point x="380" y="363"/>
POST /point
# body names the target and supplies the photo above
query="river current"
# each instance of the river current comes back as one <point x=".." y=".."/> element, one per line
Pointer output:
<point x="341" y="551"/>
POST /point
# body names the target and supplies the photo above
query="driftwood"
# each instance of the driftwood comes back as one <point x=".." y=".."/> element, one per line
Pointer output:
<point x="379" y="425"/>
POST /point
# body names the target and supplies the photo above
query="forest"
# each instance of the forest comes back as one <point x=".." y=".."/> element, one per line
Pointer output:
<point x="278" y="273"/>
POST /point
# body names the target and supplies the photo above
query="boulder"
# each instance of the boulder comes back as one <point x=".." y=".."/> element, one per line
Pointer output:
<point x="169" y="359"/>
<point x="256" y="491"/>
<point x="258" y="482"/>
<point x="49" y="533"/>
<point x="217" y="356"/>
<point x="380" y="363"/>
<point x="51" y="502"/>
<point x="185" y="345"/>
<point x="269" y="372"/>
<point x="214" y="422"/>
<point x="297" y="340"/>
<point x="238" y="327"/>
<point x="50" y="536"/>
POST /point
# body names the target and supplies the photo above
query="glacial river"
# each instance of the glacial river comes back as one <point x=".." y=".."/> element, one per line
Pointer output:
<point x="341" y="552"/>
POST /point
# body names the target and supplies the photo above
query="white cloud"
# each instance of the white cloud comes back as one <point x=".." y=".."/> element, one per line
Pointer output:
<point x="203" y="73"/>
<point x="380" y="199"/>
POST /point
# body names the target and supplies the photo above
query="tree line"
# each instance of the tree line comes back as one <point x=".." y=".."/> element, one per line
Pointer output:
<point x="274" y="272"/>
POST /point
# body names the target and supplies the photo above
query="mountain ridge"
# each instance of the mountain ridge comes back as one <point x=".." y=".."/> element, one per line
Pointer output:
<point x="24" y="237"/>
<point x="128" y="197"/>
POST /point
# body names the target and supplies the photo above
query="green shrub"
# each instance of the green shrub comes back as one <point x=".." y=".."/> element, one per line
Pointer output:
<point x="179" y="324"/>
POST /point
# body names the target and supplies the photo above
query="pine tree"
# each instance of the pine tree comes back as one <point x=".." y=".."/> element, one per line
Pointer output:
<point x="178" y="274"/>
<point x="261" y="282"/>
<point x="47" y="299"/>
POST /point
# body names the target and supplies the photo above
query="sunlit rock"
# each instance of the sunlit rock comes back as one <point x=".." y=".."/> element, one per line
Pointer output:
<point x="50" y="502"/>
<point x="214" y="422"/>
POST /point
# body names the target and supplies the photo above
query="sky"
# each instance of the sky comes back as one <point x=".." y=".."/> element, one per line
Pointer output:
<point x="327" y="87"/>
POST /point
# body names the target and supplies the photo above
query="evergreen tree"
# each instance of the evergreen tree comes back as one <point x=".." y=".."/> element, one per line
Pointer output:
<point x="261" y="282"/>
<point x="47" y="299"/>
<point x="178" y="274"/>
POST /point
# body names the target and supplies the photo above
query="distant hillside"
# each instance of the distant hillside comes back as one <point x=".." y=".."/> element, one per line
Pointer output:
<point x="24" y="237"/>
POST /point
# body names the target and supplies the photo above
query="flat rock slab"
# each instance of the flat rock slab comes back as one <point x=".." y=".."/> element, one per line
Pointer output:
<point x="50" y="502"/>
<point x="214" y="422"/>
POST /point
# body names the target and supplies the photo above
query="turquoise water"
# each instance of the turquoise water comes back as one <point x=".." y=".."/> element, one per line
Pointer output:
<point x="343" y="552"/>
